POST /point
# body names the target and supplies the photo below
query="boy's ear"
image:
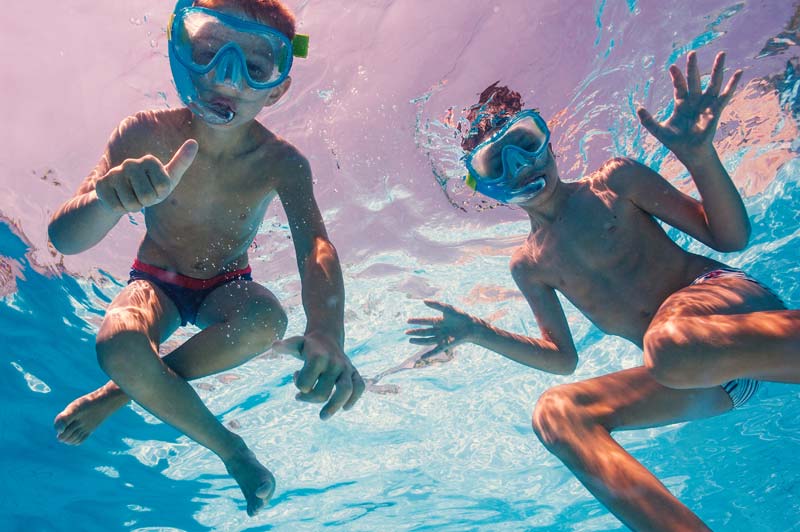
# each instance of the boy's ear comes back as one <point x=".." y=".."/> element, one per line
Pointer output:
<point x="278" y="92"/>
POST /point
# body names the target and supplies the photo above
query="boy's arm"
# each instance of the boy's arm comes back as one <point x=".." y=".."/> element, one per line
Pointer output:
<point x="322" y="345"/>
<point x="554" y="352"/>
<point x="83" y="221"/>
<point x="112" y="191"/>
<point x="689" y="134"/>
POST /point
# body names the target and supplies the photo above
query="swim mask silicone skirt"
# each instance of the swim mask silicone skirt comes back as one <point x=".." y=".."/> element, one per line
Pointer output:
<point x="228" y="49"/>
<point x="496" y="164"/>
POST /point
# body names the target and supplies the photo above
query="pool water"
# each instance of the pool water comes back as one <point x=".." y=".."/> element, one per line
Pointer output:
<point x="444" y="445"/>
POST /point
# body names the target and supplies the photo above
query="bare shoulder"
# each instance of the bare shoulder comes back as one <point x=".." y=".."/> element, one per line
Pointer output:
<point x="524" y="266"/>
<point x="622" y="175"/>
<point x="150" y="131"/>
<point x="288" y="164"/>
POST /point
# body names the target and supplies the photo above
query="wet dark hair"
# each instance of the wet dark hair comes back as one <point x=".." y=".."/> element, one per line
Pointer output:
<point x="274" y="13"/>
<point x="495" y="106"/>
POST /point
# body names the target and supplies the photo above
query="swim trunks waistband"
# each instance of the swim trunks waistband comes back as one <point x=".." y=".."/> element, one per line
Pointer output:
<point x="186" y="281"/>
<point x="721" y="273"/>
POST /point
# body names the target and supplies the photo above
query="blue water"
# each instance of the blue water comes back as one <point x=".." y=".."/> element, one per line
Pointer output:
<point x="447" y="447"/>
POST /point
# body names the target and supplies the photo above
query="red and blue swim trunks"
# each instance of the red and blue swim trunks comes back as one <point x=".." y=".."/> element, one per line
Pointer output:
<point x="188" y="293"/>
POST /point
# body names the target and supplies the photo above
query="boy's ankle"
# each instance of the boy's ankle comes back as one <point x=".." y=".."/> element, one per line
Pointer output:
<point x="236" y="447"/>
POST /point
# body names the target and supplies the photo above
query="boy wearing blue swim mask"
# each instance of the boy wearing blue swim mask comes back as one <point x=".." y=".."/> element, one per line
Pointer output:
<point x="709" y="333"/>
<point x="204" y="176"/>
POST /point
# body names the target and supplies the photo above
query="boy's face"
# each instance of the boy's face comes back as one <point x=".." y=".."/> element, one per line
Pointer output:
<point x="235" y="65"/>
<point x="515" y="163"/>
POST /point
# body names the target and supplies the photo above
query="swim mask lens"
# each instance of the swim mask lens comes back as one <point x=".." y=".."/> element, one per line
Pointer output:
<point x="496" y="164"/>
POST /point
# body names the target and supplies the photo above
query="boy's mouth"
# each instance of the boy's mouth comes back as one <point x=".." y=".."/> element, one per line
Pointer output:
<point x="531" y="179"/>
<point x="222" y="107"/>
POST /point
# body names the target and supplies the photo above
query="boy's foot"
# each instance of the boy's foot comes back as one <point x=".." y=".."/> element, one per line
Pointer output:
<point x="74" y="424"/>
<point x="255" y="480"/>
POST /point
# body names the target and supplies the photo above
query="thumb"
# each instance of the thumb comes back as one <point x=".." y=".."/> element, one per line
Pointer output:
<point x="289" y="346"/>
<point x="647" y="120"/>
<point x="182" y="160"/>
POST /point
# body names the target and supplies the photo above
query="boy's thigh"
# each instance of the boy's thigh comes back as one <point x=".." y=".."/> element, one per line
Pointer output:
<point x="721" y="296"/>
<point x="633" y="399"/>
<point x="143" y="308"/>
<point x="240" y="300"/>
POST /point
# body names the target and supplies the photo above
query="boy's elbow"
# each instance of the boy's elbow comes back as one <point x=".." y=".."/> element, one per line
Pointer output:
<point x="568" y="364"/>
<point x="734" y="242"/>
<point x="55" y="239"/>
<point x="63" y="245"/>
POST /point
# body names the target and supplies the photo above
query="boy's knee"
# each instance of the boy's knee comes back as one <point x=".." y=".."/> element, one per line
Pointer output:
<point x="668" y="359"/>
<point x="117" y="352"/>
<point x="267" y="323"/>
<point x="553" y="417"/>
<point x="281" y="321"/>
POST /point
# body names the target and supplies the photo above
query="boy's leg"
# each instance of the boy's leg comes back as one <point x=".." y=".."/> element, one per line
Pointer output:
<point x="241" y="319"/>
<point x="575" y="422"/>
<point x="127" y="350"/>
<point x="720" y="330"/>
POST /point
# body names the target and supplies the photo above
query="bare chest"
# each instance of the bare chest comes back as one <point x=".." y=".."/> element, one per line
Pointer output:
<point x="595" y="257"/>
<point x="213" y="213"/>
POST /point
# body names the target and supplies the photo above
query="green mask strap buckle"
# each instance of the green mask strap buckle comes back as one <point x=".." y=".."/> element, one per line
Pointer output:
<point x="471" y="181"/>
<point x="300" y="45"/>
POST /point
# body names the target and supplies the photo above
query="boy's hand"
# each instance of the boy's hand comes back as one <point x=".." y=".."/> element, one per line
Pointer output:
<point x="326" y="366"/>
<point x="139" y="183"/>
<point x="453" y="328"/>
<point x="691" y="127"/>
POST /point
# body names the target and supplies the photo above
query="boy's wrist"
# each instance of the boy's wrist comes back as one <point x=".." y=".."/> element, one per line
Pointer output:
<point x="697" y="156"/>
<point x="93" y="197"/>
<point x="334" y="335"/>
<point x="477" y="330"/>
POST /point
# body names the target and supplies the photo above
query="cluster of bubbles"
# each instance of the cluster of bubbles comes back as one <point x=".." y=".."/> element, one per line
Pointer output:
<point x="441" y="139"/>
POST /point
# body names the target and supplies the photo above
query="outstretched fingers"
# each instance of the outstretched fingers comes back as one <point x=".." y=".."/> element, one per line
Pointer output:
<point x="717" y="72"/>
<point x="438" y="305"/>
<point x="647" y="120"/>
<point x="678" y="82"/>
<point x="424" y="321"/>
<point x="730" y="88"/>
<point x="693" y="74"/>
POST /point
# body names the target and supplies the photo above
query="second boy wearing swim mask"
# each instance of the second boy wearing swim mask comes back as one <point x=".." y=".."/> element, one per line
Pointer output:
<point x="709" y="333"/>
<point x="204" y="177"/>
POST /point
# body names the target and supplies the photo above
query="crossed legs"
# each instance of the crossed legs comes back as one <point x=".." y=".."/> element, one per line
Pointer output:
<point x="241" y="319"/>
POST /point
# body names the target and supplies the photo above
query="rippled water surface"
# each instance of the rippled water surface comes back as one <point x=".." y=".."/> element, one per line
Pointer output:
<point x="442" y="446"/>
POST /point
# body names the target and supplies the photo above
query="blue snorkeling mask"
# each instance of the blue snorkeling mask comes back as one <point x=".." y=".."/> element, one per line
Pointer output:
<point x="231" y="51"/>
<point x="504" y="166"/>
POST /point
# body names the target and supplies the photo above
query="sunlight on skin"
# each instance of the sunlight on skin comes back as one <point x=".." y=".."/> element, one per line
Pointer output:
<point x="711" y="333"/>
<point x="575" y="422"/>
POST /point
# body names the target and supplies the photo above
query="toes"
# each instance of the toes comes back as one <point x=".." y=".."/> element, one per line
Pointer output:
<point x="61" y="422"/>
<point x="81" y="437"/>
<point x="264" y="492"/>
<point x="66" y="433"/>
<point x="262" y="495"/>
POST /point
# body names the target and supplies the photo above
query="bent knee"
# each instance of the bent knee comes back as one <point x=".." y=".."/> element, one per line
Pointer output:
<point x="263" y="324"/>
<point x="668" y="358"/>
<point x="117" y="351"/>
<point x="554" y="417"/>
